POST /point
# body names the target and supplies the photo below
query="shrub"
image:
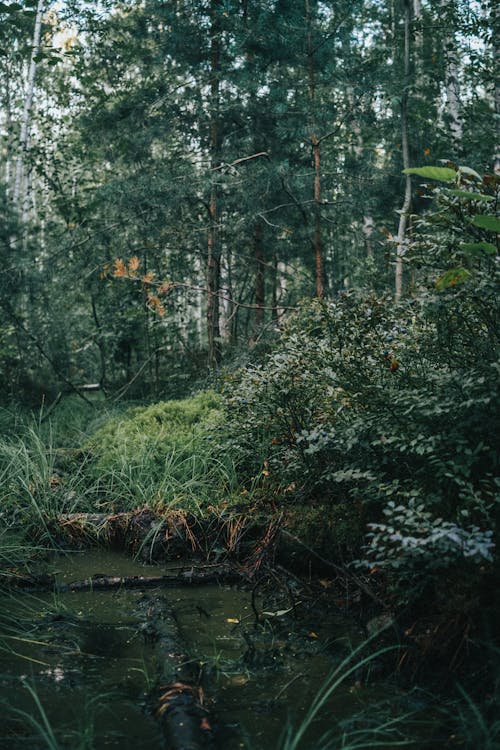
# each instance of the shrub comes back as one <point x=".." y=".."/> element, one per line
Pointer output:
<point x="369" y="402"/>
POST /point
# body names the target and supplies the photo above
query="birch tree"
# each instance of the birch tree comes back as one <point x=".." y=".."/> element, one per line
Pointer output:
<point x="401" y="242"/>
<point x="452" y="75"/>
<point x="17" y="192"/>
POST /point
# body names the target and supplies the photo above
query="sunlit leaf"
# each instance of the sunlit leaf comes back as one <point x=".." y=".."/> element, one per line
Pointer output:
<point x="443" y="174"/>
<point x="469" y="195"/>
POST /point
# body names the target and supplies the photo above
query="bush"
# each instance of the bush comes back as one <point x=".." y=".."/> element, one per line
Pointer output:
<point x="389" y="406"/>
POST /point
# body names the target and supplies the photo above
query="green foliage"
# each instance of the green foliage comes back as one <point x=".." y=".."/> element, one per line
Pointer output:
<point x="391" y="407"/>
<point x="160" y="455"/>
<point x="156" y="429"/>
<point x="424" y="539"/>
<point x="442" y="174"/>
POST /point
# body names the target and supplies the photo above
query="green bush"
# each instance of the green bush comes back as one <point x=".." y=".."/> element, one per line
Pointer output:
<point x="386" y="405"/>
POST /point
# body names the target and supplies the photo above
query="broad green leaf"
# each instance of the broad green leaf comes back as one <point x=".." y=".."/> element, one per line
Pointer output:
<point x="470" y="173"/>
<point x="490" y="223"/>
<point x="479" y="247"/>
<point x="443" y="174"/>
<point x="10" y="7"/>
<point x="472" y="196"/>
<point x="452" y="277"/>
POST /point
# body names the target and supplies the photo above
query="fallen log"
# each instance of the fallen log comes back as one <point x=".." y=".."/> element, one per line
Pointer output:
<point x="179" y="704"/>
<point x="109" y="583"/>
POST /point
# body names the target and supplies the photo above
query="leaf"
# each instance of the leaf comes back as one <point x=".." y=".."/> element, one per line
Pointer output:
<point x="119" y="268"/>
<point x="490" y="223"/>
<point x="443" y="174"/>
<point x="452" y="277"/>
<point x="469" y="195"/>
<point x="479" y="247"/>
<point x="470" y="173"/>
<point x="133" y="264"/>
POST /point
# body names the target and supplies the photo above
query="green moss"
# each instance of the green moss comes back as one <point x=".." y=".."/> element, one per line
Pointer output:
<point x="149" y="435"/>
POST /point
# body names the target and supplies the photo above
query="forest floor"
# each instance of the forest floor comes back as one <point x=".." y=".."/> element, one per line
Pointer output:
<point x="174" y="607"/>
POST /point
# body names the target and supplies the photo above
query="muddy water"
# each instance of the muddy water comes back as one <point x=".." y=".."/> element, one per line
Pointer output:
<point x="81" y="666"/>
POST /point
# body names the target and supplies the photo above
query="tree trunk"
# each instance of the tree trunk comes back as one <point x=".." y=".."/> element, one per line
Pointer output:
<point x="495" y="27"/>
<point x="368" y="229"/>
<point x="401" y="245"/>
<point x="316" y="154"/>
<point x="452" y="77"/>
<point x="28" y="103"/>
<point x="260" y="289"/>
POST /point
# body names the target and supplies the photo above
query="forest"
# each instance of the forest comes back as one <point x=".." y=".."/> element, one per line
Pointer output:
<point x="249" y="394"/>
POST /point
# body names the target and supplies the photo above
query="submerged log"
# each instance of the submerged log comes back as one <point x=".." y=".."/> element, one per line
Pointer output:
<point x="179" y="704"/>
<point x="107" y="583"/>
<point x="184" y="720"/>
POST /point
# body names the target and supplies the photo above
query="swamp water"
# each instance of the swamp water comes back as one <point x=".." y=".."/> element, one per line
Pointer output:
<point x="77" y="669"/>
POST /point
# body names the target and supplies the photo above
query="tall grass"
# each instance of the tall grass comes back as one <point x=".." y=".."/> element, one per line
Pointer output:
<point x="82" y="737"/>
<point x="388" y="732"/>
<point x="180" y="480"/>
<point x="33" y="493"/>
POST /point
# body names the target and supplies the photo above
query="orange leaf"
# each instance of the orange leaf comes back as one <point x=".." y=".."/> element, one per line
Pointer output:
<point x="155" y="304"/>
<point x="133" y="264"/>
<point x="148" y="277"/>
<point x="119" y="268"/>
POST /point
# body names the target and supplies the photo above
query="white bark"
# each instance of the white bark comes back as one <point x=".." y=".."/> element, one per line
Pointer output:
<point x="401" y="245"/>
<point x="495" y="26"/>
<point x="28" y="103"/>
<point x="368" y="229"/>
<point x="452" y="78"/>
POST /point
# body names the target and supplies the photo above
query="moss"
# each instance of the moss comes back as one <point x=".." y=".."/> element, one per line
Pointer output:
<point x="149" y="435"/>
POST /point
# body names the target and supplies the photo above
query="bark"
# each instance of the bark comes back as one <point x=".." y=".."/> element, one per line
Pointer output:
<point x="223" y="575"/>
<point x="495" y="27"/>
<point x="401" y="245"/>
<point x="275" y="285"/>
<point x="100" y="344"/>
<point x="452" y="78"/>
<point x="368" y="229"/>
<point x="260" y="289"/>
<point x="28" y="104"/>
<point x="178" y="705"/>
<point x="316" y="154"/>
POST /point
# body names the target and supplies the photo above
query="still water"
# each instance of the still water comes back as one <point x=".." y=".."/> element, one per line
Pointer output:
<point x="77" y="670"/>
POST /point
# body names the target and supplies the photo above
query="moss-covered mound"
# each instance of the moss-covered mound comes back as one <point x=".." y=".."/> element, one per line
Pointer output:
<point x="159" y="450"/>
